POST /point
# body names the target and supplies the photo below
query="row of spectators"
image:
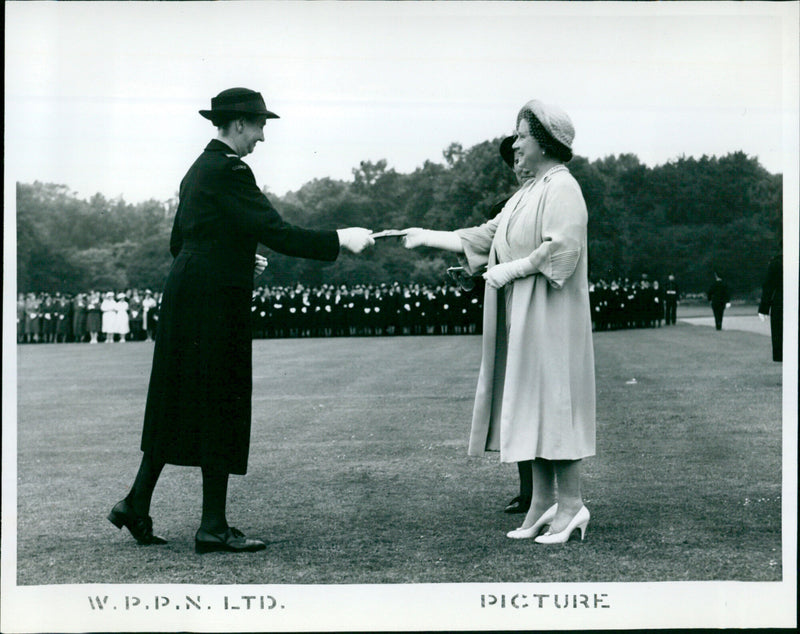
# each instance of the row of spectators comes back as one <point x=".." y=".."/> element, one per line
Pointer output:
<point x="325" y="311"/>
<point x="87" y="317"/>
<point x="363" y="310"/>
<point x="296" y="311"/>
<point x="633" y="304"/>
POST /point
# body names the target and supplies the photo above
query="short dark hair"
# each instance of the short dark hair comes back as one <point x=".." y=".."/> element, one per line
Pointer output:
<point x="549" y="144"/>
<point x="224" y="119"/>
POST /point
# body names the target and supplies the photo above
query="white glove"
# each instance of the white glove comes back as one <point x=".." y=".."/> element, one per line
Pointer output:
<point x="415" y="237"/>
<point x="355" y="239"/>
<point x="261" y="264"/>
<point x="447" y="240"/>
<point x="762" y="316"/>
<point x="501" y="274"/>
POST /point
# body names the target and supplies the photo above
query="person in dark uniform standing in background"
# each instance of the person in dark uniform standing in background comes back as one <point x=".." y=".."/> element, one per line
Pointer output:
<point x="772" y="304"/>
<point x="94" y="316"/>
<point x="198" y="407"/>
<point x="149" y="310"/>
<point x="64" y="319"/>
<point x="136" y="319"/>
<point x="33" y="321"/>
<point x="719" y="296"/>
<point x="656" y="305"/>
<point x="671" y="296"/>
<point x="49" y="317"/>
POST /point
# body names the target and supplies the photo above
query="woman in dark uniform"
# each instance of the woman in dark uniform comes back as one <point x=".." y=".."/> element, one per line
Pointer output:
<point x="198" y="402"/>
<point x="94" y="316"/>
<point x="79" y="317"/>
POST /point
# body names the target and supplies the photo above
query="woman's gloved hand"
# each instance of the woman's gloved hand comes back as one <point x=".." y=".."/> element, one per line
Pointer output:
<point x="415" y="237"/>
<point x="355" y="239"/>
<point x="261" y="265"/>
<point x="446" y="240"/>
<point x="501" y="274"/>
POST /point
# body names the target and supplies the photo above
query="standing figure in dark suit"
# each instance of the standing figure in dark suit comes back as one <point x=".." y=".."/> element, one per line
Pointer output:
<point x="94" y="316"/>
<point x="136" y="318"/>
<point x="198" y="407"/>
<point x="656" y="305"/>
<point x="772" y="304"/>
<point x="719" y="296"/>
<point x="64" y="319"/>
<point x="149" y="310"/>
<point x="49" y="318"/>
<point x="671" y="296"/>
<point x="79" y="317"/>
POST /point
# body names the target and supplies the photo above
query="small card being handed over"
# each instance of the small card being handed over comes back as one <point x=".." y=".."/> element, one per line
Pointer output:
<point x="389" y="233"/>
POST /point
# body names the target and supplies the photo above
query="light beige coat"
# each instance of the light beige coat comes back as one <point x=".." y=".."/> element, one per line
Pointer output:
<point x="536" y="387"/>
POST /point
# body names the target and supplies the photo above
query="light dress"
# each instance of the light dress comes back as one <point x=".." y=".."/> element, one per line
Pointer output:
<point x="121" y="319"/>
<point x="109" y="309"/>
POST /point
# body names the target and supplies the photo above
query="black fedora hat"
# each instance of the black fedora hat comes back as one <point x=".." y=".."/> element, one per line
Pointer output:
<point x="237" y="101"/>
<point x="506" y="151"/>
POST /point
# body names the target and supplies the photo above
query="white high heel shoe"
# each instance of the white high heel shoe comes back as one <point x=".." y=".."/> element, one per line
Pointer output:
<point x="580" y="521"/>
<point x="533" y="531"/>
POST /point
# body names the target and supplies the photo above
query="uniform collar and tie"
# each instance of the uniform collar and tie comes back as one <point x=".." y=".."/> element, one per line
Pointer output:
<point x="215" y="145"/>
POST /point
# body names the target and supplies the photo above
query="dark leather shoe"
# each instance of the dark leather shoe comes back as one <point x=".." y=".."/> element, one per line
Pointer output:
<point x="231" y="541"/>
<point x="518" y="505"/>
<point x="141" y="527"/>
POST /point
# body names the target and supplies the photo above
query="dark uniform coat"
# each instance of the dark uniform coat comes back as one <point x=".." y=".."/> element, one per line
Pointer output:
<point x="198" y="402"/>
<point x="671" y="294"/>
<point x="718" y="295"/>
<point x="772" y="304"/>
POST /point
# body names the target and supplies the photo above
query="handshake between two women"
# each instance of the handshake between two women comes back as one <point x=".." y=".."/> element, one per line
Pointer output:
<point x="497" y="276"/>
<point x="356" y="239"/>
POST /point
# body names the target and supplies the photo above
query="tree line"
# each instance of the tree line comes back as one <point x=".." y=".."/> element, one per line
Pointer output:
<point x="690" y="217"/>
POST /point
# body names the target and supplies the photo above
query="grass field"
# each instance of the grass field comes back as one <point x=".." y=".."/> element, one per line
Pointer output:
<point x="358" y="470"/>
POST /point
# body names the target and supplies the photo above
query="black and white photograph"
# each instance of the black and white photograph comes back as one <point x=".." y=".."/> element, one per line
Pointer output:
<point x="400" y="316"/>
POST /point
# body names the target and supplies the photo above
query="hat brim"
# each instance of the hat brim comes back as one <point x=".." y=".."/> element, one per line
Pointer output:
<point x="211" y="115"/>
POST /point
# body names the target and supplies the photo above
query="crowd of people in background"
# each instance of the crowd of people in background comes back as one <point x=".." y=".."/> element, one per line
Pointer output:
<point x="364" y="310"/>
<point x="90" y="317"/>
<point x="327" y="311"/>
<point x="642" y="303"/>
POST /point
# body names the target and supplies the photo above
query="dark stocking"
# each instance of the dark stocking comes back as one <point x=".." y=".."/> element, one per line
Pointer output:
<point x="146" y="479"/>
<point x="215" y="493"/>
<point x="525" y="478"/>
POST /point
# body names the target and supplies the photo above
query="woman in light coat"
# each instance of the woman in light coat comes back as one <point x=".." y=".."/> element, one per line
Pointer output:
<point x="121" y="318"/>
<point x="109" y="309"/>
<point x="535" y="399"/>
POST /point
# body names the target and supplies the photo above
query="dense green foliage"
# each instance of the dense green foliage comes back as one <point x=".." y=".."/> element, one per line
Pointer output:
<point x="689" y="216"/>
